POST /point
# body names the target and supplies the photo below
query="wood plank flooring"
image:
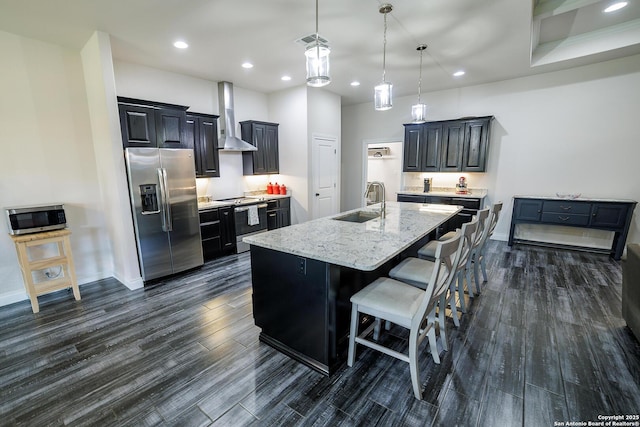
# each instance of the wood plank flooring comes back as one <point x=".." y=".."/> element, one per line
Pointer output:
<point x="544" y="342"/>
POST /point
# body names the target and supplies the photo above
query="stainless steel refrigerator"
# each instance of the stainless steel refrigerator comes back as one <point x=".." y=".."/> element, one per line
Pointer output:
<point x="162" y="188"/>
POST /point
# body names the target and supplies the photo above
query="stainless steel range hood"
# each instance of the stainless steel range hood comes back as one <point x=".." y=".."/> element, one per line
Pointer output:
<point x="230" y="142"/>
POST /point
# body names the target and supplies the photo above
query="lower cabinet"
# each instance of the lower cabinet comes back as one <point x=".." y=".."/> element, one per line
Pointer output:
<point x="278" y="213"/>
<point x="471" y="205"/>
<point x="217" y="229"/>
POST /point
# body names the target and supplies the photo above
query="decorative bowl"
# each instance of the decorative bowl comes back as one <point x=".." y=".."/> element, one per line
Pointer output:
<point x="568" y="195"/>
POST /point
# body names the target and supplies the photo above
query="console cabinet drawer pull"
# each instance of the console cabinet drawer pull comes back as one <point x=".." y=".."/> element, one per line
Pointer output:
<point x="565" y="208"/>
<point x="563" y="218"/>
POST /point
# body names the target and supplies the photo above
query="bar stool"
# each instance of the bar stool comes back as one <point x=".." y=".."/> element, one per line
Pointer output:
<point x="64" y="260"/>
<point x="427" y="251"/>
<point x="406" y="306"/>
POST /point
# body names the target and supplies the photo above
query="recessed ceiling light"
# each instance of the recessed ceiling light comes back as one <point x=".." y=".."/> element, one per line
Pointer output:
<point x="247" y="65"/>
<point x="285" y="78"/>
<point x="458" y="73"/>
<point x="616" y="6"/>
<point x="180" y="44"/>
<point x="355" y="83"/>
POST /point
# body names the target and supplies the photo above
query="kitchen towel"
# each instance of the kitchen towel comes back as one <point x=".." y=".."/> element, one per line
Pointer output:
<point x="252" y="218"/>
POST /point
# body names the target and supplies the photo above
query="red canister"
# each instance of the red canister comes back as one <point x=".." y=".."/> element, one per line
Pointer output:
<point x="269" y="188"/>
<point x="283" y="189"/>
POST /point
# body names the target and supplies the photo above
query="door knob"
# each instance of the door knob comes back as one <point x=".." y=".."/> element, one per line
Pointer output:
<point x="317" y="194"/>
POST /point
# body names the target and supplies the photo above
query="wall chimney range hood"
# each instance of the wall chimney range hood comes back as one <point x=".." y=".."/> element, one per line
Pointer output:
<point x="230" y="142"/>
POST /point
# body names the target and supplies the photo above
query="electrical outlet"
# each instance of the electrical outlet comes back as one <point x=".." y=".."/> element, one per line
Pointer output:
<point x="302" y="265"/>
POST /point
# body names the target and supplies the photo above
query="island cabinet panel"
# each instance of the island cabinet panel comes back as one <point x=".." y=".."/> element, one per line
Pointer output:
<point x="603" y="215"/>
<point x="303" y="305"/>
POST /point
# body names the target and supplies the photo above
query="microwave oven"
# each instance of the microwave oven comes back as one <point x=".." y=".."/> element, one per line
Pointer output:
<point x="34" y="219"/>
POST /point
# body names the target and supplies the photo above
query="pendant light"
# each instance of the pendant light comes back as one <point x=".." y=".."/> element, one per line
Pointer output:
<point x="382" y="95"/>
<point x="317" y="55"/>
<point x="419" y="110"/>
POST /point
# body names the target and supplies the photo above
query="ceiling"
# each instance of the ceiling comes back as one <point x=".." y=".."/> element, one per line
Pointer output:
<point x="491" y="40"/>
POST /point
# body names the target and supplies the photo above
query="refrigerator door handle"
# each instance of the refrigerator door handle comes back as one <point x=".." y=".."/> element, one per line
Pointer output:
<point x="166" y="200"/>
<point x="163" y="198"/>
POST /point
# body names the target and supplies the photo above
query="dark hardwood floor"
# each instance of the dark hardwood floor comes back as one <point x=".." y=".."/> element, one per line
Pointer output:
<point x="544" y="342"/>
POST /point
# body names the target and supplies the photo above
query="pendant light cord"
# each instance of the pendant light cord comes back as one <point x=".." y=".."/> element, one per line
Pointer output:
<point x="420" y="78"/>
<point x="384" y="49"/>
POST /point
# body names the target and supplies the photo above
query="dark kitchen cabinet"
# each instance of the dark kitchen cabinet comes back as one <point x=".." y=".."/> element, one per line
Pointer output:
<point x="447" y="146"/>
<point x="452" y="145"/>
<point x="152" y="124"/>
<point x="264" y="136"/>
<point x="476" y="140"/>
<point x="278" y="213"/>
<point x="422" y="148"/>
<point x="202" y="136"/>
<point x="218" y="232"/>
<point x="227" y="230"/>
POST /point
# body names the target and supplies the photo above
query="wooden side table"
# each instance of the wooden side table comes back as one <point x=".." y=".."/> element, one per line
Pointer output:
<point x="64" y="259"/>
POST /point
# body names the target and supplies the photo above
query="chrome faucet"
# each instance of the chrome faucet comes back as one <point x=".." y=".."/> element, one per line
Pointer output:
<point x="383" y="203"/>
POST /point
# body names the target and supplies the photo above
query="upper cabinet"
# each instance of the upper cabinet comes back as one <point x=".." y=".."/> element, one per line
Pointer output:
<point x="448" y="146"/>
<point x="152" y="124"/>
<point x="264" y="136"/>
<point x="202" y="136"/>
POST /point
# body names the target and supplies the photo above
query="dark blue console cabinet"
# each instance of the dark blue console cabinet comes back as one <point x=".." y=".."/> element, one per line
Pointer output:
<point x="610" y="215"/>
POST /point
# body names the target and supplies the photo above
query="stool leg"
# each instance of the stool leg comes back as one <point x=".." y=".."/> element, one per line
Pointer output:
<point x="353" y="333"/>
<point x="23" y="258"/>
<point x="72" y="269"/>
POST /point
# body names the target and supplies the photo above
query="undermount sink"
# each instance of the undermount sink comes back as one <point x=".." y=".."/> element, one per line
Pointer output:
<point x="358" y="216"/>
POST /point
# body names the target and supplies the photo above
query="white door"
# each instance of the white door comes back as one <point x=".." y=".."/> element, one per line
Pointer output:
<point x="325" y="176"/>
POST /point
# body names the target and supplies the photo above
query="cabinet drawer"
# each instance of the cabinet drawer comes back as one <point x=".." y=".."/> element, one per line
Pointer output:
<point x="566" y="207"/>
<point x="414" y="198"/>
<point x="466" y="202"/>
<point x="209" y="216"/>
<point x="210" y="230"/>
<point x="566" y="219"/>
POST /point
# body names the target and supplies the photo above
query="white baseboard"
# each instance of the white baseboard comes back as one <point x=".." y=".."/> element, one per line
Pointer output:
<point x="503" y="237"/>
<point x="12" y="297"/>
<point x="132" y="284"/>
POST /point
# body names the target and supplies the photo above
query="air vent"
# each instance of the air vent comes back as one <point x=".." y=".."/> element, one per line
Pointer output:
<point x="311" y="38"/>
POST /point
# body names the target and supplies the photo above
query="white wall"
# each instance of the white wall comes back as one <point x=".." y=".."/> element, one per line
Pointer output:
<point x="97" y="64"/>
<point x="324" y="119"/>
<point x="567" y="131"/>
<point x="386" y="169"/>
<point x="289" y="109"/>
<point x="47" y="154"/>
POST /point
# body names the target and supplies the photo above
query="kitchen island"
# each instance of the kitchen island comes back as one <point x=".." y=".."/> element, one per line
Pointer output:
<point x="304" y="275"/>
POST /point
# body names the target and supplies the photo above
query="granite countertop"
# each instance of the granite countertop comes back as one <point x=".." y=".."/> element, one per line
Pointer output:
<point x="576" y="199"/>
<point x="475" y="193"/>
<point x="363" y="246"/>
<point x="259" y="197"/>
